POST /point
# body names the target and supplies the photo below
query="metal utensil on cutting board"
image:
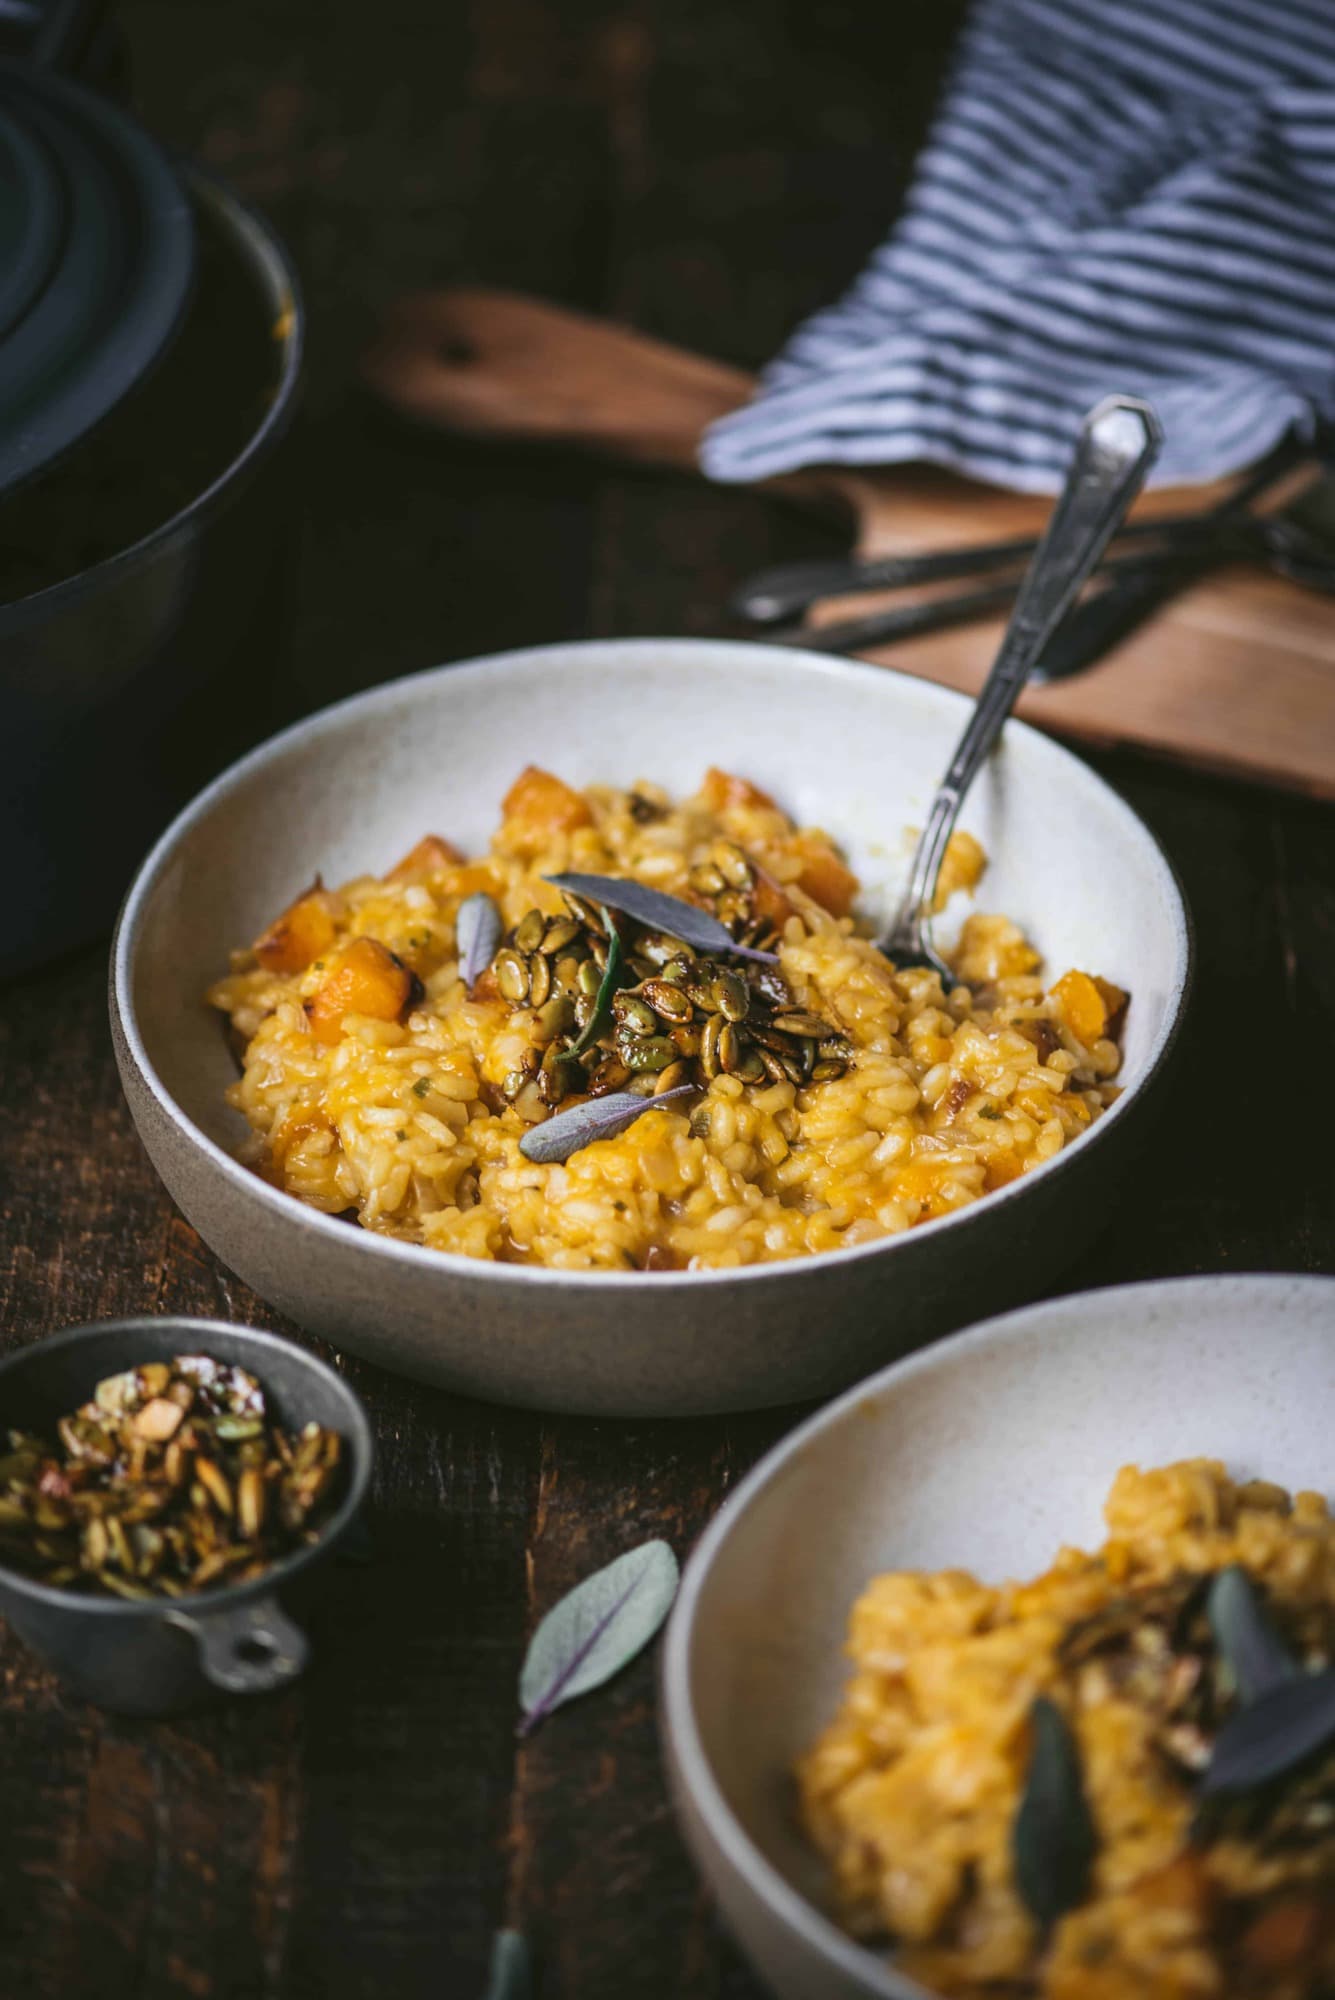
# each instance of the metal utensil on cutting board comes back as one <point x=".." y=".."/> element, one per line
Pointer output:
<point x="1298" y="542"/>
<point x="1119" y="441"/>
<point x="773" y="595"/>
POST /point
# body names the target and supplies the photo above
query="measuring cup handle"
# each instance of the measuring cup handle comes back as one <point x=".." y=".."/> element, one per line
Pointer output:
<point x="246" y="1649"/>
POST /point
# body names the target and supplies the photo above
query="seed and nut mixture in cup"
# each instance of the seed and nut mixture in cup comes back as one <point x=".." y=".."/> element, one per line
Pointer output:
<point x="814" y="1097"/>
<point x="174" y="1478"/>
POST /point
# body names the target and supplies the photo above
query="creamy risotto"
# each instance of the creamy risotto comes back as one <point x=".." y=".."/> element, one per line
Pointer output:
<point x="814" y="1097"/>
<point x="1116" y="1782"/>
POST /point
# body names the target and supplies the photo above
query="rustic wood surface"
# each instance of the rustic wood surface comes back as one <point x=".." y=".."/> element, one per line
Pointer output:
<point x="708" y="169"/>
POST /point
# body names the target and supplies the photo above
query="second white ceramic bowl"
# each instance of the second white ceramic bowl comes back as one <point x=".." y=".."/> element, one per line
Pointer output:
<point x="855" y="749"/>
<point x="988" y="1453"/>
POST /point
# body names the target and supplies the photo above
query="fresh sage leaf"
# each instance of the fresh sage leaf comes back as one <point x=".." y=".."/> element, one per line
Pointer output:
<point x="592" y="1632"/>
<point x="1272" y="1734"/>
<point x="598" y="1118"/>
<point x="607" y="986"/>
<point x="511" y="1972"/>
<point x="477" y="930"/>
<point x="659" y="913"/>
<point x="1253" y="1650"/>
<point x="1053" y="1839"/>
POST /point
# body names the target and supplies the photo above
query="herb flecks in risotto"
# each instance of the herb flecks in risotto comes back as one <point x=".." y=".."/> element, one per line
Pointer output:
<point x="832" y="1100"/>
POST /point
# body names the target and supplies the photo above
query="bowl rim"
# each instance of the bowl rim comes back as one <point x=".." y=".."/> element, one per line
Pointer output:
<point x="289" y="1209"/>
<point x="678" y="1728"/>
<point x="204" y="1604"/>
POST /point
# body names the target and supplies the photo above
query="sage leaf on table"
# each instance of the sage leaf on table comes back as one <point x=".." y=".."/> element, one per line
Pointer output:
<point x="607" y="986"/>
<point x="510" y="1976"/>
<point x="1053" y="1839"/>
<point x="598" y="1118"/>
<point x="1273" y="1734"/>
<point x="1252" y="1649"/>
<point x="592" y="1632"/>
<point x="658" y="912"/>
<point x="477" y="931"/>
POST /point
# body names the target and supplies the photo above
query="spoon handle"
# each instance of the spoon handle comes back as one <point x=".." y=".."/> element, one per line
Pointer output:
<point x="1119" y="441"/>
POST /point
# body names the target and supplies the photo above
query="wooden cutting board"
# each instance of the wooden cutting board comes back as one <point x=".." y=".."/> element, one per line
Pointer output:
<point x="1237" y="675"/>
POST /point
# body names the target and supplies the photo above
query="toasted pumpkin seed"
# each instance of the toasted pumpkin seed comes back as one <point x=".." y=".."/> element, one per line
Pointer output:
<point x="215" y="1483"/>
<point x="709" y="1045"/>
<point x="539" y="981"/>
<point x="667" y="1001"/>
<point x="251" y="1496"/>
<point x="634" y="1014"/>
<point x="529" y="1103"/>
<point x="650" y="1052"/>
<point x="730" y="997"/>
<point x="729" y="1048"/>
<point x="556" y="1016"/>
<point x="610" y="1074"/>
<point x="555" y="1078"/>
<point x="511" y="975"/>
<point x="668" y="1079"/>
<point x="560" y="932"/>
<point x="658" y="948"/>
<point x="529" y="932"/>
<point x="797" y="1023"/>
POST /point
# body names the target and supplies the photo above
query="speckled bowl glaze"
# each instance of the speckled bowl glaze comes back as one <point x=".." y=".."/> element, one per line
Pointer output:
<point x="852" y="748"/>
<point x="986" y="1453"/>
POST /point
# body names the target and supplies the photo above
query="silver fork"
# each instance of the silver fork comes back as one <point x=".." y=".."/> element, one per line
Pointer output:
<point x="1119" y="441"/>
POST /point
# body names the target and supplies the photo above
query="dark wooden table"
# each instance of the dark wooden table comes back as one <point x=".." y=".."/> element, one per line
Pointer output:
<point x="708" y="169"/>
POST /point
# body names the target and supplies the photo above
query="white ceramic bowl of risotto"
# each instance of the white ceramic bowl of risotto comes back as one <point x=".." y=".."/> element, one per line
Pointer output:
<point x="988" y="1453"/>
<point x="848" y="748"/>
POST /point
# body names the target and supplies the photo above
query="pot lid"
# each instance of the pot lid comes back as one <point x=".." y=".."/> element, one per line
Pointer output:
<point x="97" y="247"/>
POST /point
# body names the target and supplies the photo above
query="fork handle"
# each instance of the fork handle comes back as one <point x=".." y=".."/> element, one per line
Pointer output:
<point x="1119" y="441"/>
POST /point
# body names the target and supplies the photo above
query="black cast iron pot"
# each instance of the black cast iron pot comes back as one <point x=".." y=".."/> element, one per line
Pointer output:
<point x="170" y="1654"/>
<point x="142" y="577"/>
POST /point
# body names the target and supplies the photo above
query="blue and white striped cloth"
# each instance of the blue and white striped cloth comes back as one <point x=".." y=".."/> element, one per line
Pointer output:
<point x="1133" y="195"/>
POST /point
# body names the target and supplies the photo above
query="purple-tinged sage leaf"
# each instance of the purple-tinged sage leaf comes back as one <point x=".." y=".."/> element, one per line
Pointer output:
<point x="1053" y="1838"/>
<point x="477" y="931"/>
<point x="658" y="912"/>
<point x="598" y="1118"/>
<point x="593" y="1631"/>
<point x="510" y="1976"/>
<point x="607" y="986"/>
<point x="1253" y="1650"/>
<point x="1272" y="1734"/>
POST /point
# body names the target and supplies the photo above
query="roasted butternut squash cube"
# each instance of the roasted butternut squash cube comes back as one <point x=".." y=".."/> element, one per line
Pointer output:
<point x="1082" y="1006"/>
<point x="769" y="902"/>
<point x="430" y="855"/>
<point x="306" y="929"/>
<point x="541" y="803"/>
<point x="1115" y="1002"/>
<point x="825" y="878"/>
<point x="721" y="789"/>
<point x="363" y="978"/>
